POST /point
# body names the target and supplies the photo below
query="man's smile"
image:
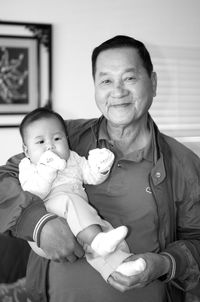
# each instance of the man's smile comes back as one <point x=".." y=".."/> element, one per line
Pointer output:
<point x="120" y="104"/>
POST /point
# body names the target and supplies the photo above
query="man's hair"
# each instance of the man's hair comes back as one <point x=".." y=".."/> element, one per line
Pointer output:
<point x="37" y="114"/>
<point x="121" y="42"/>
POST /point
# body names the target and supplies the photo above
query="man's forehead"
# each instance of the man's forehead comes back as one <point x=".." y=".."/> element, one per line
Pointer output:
<point x="118" y="51"/>
<point x="113" y="59"/>
<point x="115" y="53"/>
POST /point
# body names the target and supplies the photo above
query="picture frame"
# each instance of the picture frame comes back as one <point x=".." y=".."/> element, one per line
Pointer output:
<point x="25" y="70"/>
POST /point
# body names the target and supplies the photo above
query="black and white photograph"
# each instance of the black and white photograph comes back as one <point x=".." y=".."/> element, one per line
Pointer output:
<point x="100" y="151"/>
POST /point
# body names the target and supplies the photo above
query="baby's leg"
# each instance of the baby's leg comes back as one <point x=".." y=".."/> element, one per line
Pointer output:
<point x="102" y="243"/>
<point x="87" y="235"/>
<point x="108" y="264"/>
<point x="131" y="268"/>
<point x="115" y="262"/>
<point x="84" y="221"/>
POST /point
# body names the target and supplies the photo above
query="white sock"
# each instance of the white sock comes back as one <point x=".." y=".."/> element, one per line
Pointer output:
<point x="132" y="267"/>
<point x="105" y="243"/>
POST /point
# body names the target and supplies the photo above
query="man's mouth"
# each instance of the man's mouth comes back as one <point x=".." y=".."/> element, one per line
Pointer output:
<point x="121" y="105"/>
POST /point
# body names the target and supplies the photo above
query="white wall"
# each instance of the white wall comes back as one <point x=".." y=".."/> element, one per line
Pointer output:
<point x="80" y="25"/>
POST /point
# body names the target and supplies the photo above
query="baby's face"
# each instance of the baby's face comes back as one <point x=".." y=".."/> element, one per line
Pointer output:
<point x="45" y="134"/>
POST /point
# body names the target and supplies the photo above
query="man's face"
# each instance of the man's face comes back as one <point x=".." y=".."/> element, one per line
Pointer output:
<point x="123" y="89"/>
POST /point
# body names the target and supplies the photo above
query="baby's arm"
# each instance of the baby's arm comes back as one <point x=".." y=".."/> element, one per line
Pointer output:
<point x="96" y="169"/>
<point x="38" y="179"/>
<point x="34" y="178"/>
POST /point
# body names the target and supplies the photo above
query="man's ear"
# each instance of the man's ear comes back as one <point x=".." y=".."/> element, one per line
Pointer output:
<point x="25" y="150"/>
<point x="154" y="82"/>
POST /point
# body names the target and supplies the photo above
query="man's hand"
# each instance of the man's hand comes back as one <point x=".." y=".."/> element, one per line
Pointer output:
<point x="156" y="266"/>
<point x="58" y="242"/>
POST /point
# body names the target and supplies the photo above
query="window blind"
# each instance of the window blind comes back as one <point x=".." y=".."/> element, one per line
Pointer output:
<point x="176" y="108"/>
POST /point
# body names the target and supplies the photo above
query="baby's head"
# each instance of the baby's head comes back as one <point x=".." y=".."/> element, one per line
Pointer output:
<point x="43" y="129"/>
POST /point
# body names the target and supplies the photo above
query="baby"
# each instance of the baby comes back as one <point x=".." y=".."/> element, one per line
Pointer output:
<point x="56" y="174"/>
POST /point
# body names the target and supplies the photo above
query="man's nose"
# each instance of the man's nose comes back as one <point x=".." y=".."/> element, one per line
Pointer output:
<point x="118" y="89"/>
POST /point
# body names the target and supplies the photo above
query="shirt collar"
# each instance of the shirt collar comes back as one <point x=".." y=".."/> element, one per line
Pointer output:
<point x="144" y="153"/>
<point x="103" y="133"/>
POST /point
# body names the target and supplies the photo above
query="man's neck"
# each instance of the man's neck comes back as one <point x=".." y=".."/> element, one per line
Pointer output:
<point x="130" y="137"/>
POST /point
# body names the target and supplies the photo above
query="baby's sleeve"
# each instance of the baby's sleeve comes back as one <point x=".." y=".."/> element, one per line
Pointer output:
<point x="96" y="168"/>
<point x="36" y="179"/>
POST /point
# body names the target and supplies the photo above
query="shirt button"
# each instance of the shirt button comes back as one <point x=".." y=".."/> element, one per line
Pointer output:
<point x="158" y="174"/>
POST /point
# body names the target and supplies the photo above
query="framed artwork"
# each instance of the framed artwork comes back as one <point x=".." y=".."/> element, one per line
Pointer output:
<point x="25" y="70"/>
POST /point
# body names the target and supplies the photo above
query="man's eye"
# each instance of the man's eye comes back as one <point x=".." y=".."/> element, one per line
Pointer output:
<point x="106" y="82"/>
<point x="57" y="138"/>
<point x="130" y="79"/>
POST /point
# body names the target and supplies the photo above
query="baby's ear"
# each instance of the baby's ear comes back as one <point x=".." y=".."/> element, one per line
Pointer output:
<point x="25" y="150"/>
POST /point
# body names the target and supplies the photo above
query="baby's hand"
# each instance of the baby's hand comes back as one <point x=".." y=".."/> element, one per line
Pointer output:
<point x="101" y="159"/>
<point x="52" y="160"/>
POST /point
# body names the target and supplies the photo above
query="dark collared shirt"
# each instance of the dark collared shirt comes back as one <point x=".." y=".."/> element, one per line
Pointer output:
<point x="127" y="197"/>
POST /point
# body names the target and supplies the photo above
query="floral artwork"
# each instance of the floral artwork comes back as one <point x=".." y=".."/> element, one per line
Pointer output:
<point x="25" y="70"/>
<point x="13" y="78"/>
<point x="19" y="77"/>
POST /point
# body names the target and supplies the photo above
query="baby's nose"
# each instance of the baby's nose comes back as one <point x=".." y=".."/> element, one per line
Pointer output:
<point x="49" y="146"/>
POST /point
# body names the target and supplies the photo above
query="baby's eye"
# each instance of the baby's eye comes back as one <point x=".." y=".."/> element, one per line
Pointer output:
<point x="40" y="141"/>
<point x="57" y="138"/>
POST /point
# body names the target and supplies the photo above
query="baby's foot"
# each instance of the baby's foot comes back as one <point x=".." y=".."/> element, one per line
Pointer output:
<point x="105" y="243"/>
<point x="132" y="267"/>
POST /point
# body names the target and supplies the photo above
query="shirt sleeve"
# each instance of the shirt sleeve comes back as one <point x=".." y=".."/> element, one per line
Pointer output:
<point x="20" y="210"/>
<point x="185" y="249"/>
